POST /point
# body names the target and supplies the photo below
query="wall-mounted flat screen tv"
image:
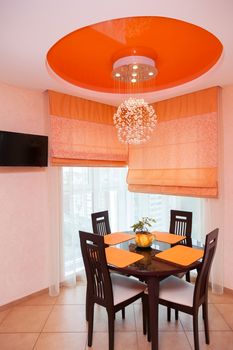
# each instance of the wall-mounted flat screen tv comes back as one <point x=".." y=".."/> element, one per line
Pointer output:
<point x="17" y="149"/>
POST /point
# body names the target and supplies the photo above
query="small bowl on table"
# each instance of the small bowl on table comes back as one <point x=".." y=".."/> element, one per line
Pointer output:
<point x="144" y="239"/>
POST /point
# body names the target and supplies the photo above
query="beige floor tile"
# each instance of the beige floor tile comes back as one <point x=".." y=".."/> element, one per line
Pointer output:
<point x="167" y="340"/>
<point x="42" y="299"/>
<point x="101" y="319"/>
<point x="143" y="344"/>
<point x="25" y="319"/>
<point x="218" y="340"/>
<point x="100" y="341"/>
<point x="226" y="311"/>
<point x="127" y="324"/>
<point x="174" y="341"/>
<point x="225" y="298"/>
<point x="164" y="325"/>
<point x="3" y="314"/>
<point x="72" y="295"/>
<point x="66" y="318"/>
<point x="123" y="340"/>
<point x="121" y="325"/>
<point x="61" y="341"/>
<point x="138" y="316"/>
<point x="216" y="321"/>
<point x="18" y="341"/>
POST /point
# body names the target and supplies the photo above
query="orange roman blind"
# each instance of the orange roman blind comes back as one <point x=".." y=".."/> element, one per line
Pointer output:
<point x="82" y="133"/>
<point x="182" y="156"/>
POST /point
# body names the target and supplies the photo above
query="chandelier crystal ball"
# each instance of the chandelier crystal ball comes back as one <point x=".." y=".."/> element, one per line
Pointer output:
<point x="135" y="120"/>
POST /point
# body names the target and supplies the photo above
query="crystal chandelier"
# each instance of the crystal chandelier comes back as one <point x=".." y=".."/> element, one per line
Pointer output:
<point x="135" y="120"/>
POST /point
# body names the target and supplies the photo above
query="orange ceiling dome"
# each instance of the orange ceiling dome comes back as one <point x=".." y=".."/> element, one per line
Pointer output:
<point x="181" y="51"/>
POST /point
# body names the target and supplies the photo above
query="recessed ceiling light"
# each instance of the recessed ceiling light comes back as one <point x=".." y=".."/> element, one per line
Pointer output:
<point x="133" y="80"/>
<point x="117" y="75"/>
<point x="139" y="67"/>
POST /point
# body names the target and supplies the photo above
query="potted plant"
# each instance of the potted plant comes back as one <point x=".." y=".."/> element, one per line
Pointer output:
<point x="143" y="237"/>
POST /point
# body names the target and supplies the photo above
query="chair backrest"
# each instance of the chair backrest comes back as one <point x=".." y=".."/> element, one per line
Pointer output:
<point x="99" y="283"/>
<point x="201" y="285"/>
<point x="100" y="223"/>
<point x="181" y="223"/>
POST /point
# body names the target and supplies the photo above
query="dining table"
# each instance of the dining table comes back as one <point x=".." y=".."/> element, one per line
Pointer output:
<point x="152" y="270"/>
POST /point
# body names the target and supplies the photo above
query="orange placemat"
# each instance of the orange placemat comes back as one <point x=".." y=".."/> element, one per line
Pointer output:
<point x="181" y="255"/>
<point x="168" y="237"/>
<point x="121" y="257"/>
<point x="117" y="237"/>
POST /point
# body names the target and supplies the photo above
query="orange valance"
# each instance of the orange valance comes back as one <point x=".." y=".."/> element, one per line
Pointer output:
<point x="73" y="107"/>
<point x="180" y="159"/>
<point x="83" y="134"/>
<point x="185" y="106"/>
<point x="182" y="156"/>
<point x="87" y="163"/>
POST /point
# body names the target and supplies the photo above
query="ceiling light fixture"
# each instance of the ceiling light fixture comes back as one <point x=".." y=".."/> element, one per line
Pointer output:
<point x="135" y="120"/>
<point x="124" y="68"/>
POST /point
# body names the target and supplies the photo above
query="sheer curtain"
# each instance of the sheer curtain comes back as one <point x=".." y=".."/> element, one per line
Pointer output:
<point x="87" y="190"/>
<point x="56" y="234"/>
<point x="214" y="217"/>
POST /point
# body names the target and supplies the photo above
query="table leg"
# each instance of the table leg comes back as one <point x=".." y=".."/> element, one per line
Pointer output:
<point x="153" y="299"/>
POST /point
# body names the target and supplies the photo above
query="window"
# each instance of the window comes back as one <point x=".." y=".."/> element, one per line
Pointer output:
<point x="87" y="190"/>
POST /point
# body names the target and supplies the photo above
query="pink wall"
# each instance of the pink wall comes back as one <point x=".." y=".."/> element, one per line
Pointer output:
<point x="227" y="109"/>
<point x="24" y="233"/>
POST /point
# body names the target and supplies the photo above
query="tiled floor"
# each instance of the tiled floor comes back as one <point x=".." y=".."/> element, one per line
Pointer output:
<point x="58" y="323"/>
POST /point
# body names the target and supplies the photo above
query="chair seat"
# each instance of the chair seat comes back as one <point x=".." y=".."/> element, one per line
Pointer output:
<point x="177" y="291"/>
<point x="125" y="287"/>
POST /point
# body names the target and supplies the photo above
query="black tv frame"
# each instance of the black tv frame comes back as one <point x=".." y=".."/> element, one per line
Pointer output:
<point x="20" y="149"/>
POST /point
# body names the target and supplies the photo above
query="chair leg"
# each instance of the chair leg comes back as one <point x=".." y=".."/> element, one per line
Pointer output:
<point x="176" y="315"/>
<point x="90" y="323"/>
<point x="187" y="276"/>
<point x="168" y="314"/>
<point x="111" y="319"/>
<point x="206" y="322"/>
<point x="144" y="313"/>
<point x="87" y="303"/>
<point x="195" y="331"/>
<point x="123" y="313"/>
<point x="148" y="326"/>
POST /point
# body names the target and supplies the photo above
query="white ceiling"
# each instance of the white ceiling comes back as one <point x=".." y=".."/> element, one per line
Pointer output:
<point x="28" y="28"/>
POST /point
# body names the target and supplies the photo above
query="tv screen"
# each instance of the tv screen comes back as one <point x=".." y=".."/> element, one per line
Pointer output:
<point x="17" y="149"/>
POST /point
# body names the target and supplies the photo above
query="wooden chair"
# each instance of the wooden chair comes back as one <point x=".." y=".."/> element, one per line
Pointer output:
<point x="101" y="226"/>
<point x="112" y="291"/>
<point x="181" y="224"/>
<point x="100" y="223"/>
<point x="181" y="295"/>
